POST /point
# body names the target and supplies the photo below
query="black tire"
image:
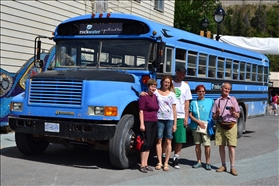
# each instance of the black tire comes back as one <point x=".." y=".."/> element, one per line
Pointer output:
<point x="29" y="145"/>
<point x="240" y="122"/>
<point x="122" y="153"/>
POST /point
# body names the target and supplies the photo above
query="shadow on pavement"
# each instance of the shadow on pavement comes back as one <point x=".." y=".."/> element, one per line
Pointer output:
<point x="60" y="155"/>
<point x="87" y="159"/>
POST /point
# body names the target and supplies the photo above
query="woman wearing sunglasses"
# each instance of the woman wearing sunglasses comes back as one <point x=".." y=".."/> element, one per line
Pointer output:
<point x="200" y="111"/>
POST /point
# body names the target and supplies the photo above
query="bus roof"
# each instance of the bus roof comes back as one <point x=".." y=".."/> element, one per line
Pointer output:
<point x="174" y="36"/>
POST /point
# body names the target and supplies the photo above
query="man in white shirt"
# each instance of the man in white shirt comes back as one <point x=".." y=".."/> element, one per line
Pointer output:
<point x="183" y="96"/>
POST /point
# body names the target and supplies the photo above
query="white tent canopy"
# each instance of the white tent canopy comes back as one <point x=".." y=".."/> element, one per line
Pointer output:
<point x="261" y="45"/>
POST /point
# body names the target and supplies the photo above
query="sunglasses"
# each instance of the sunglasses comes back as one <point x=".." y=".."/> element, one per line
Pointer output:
<point x="201" y="91"/>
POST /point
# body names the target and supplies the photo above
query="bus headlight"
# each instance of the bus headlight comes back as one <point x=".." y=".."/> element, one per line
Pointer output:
<point x="99" y="111"/>
<point x="16" y="106"/>
<point x="102" y="111"/>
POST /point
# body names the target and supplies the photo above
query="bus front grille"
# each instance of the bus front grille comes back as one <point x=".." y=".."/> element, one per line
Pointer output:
<point x="55" y="92"/>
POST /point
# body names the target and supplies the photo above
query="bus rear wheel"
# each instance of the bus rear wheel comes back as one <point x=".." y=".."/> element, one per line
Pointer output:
<point x="240" y="122"/>
<point x="122" y="153"/>
<point x="29" y="145"/>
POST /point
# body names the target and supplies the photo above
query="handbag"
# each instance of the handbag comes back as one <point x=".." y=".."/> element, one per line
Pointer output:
<point x="199" y="129"/>
<point x="227" y="126"/>
<point x="140" y="141"/>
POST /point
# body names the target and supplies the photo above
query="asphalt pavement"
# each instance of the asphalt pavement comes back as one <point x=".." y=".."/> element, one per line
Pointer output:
<point x="260" y="168"/>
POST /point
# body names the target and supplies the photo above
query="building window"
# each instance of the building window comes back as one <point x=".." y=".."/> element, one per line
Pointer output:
<point x="101" y="6"/>
<point x="159" y="5"/>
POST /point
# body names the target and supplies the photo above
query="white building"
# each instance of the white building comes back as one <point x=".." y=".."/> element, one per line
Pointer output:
<point x="274" y="79"/>
<point x="22" y="21"/>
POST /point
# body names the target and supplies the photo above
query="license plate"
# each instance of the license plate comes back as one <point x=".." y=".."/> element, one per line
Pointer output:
<point x="52" y="127"/>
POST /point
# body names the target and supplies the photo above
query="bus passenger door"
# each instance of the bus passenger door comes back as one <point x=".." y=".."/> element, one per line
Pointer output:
<point x="167" y="66"/>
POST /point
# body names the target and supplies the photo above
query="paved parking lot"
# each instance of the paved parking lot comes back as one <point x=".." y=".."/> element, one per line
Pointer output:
<point x="256" y="162"/>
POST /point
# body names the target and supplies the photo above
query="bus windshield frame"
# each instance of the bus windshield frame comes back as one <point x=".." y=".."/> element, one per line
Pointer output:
<point x="126" y="54"/>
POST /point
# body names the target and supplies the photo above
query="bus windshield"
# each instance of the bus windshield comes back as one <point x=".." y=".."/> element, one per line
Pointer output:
<point x="128" y="54"/>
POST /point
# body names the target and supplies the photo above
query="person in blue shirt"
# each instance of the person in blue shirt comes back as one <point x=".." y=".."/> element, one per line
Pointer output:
<point x="200" y="111"/>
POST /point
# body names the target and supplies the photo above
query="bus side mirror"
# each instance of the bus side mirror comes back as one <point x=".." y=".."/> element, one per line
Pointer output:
<point x="161" y="53"/>
<point x="39" y="63"/>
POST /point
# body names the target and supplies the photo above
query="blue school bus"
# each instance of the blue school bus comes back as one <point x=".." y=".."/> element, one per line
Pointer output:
<point x="102" y="62"/>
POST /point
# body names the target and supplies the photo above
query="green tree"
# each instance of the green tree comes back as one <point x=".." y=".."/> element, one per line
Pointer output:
<point x="273" y="22"/>
<point x="274" y="62"/>
<point x="189" y="14"/>
<point x="240" y="20"/>
<point x="259" y="20"/>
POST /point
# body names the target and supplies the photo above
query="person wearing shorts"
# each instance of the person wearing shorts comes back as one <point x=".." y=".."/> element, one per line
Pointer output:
<point x="274" y="104"/>
<point x="166" y="121"/>
<point x="200" y="110"/>
<point x="183" y="96"/>
<point x="226" y="111"/>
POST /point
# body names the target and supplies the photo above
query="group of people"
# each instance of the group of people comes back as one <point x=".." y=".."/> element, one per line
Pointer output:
<point x="164" y="114"/>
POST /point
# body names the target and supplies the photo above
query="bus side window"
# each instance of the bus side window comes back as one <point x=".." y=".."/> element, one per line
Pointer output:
<point x="202" y="65"/>
<point x="220" y="69"/>
<point x="228" y="68"/>
<point x="266" y="74"/>
<point x="192" y="61"/>
<point x="235" y="69"/>
<point x="212" y="66"/>
<point x="180" y="54"/>
<point x="220" y="75"/>
<point x="201" y="72"/>
<point x="248" y="72"/>
<point x="180" y="58"/>
<point x="211" y="73"/>
<point x="260" y="73"/>
<point x="254" y="72"/>
<point x="191" y="72"/>
<point x="241" y="76"/>
<point x="242" y="70"/>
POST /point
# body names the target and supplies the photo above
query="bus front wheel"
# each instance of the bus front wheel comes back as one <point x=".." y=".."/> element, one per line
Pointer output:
<point x="122" y="154"/>
<point x="240" y="122"/>
<point x="29" y="145"/>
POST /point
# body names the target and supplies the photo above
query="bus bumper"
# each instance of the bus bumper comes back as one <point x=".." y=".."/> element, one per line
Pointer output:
<point x="64" y="129"/>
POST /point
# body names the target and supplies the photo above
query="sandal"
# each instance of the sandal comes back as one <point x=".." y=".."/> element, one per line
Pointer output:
<point x="148" y="168"/>
<point x="158" y="166"/>
<point x="166" y="167"/>
<point x="143" y="169"/>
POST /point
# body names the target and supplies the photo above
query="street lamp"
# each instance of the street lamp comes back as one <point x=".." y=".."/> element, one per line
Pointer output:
<point x="205" y="24"/>
<point x="219" y="16"/>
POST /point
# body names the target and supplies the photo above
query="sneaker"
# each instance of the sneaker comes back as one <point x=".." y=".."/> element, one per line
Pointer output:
<point x="234" y="172"/>
<point x="221" y="169"/>
<point x="276" y="114"/>
<point x="198" y="165"/>
<point x="175" y="163"/>
<point x="207" y="167"/>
